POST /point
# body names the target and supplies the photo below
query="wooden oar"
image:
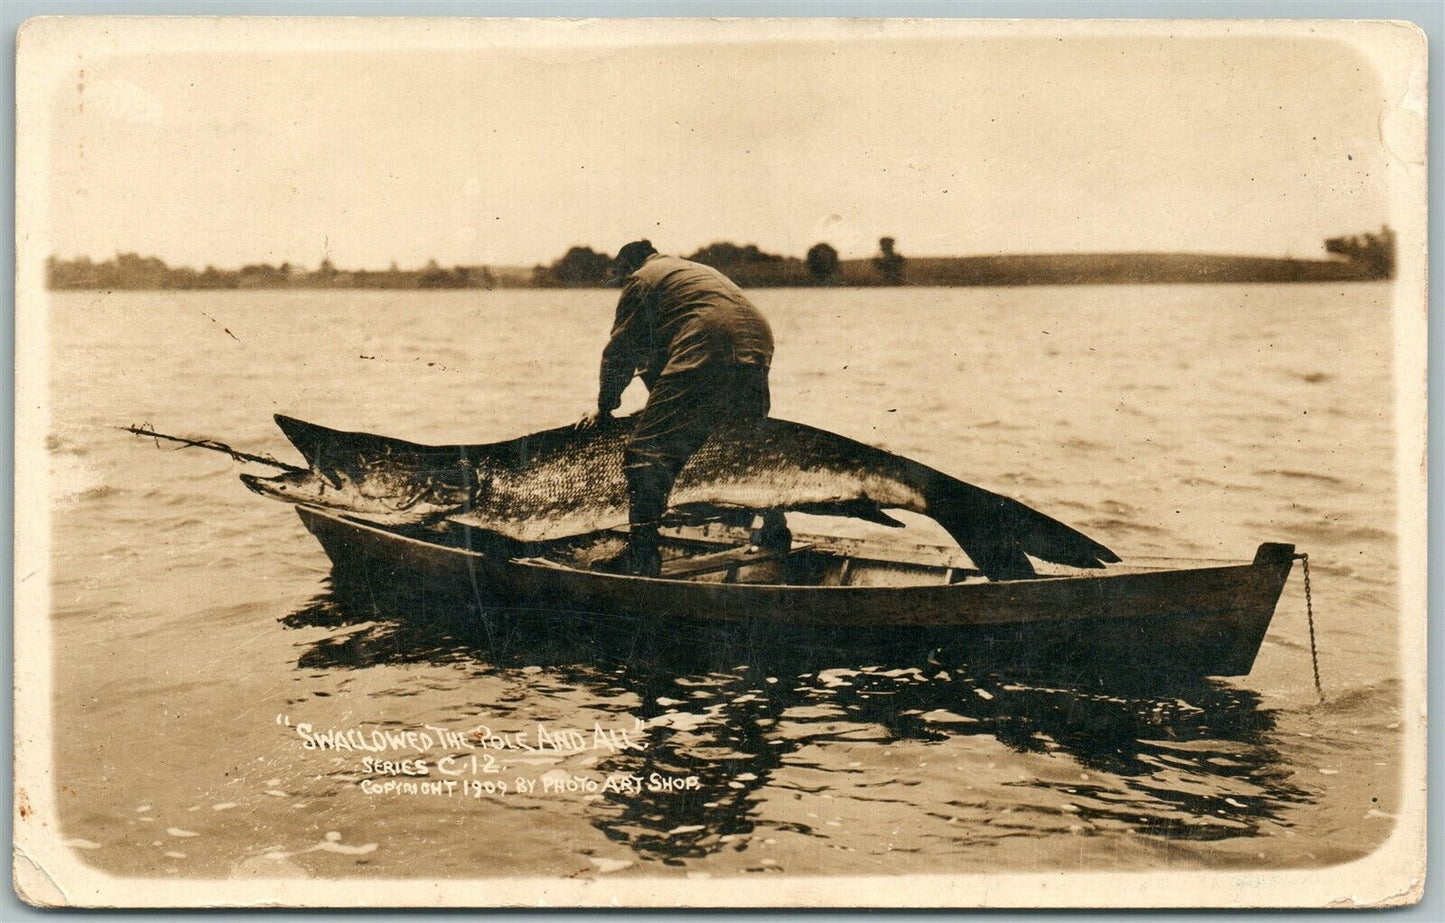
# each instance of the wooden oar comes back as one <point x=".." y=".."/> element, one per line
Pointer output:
<point x="214" y="445"/>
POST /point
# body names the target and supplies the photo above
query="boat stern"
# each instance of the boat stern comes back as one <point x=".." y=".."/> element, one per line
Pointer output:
<point x="1270" y="570"/>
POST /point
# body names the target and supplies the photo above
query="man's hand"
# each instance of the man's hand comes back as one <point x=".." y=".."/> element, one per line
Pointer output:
<point x="592" y="418"/>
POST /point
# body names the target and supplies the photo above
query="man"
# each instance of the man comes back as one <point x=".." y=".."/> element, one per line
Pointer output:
<point x="703" y="351"/>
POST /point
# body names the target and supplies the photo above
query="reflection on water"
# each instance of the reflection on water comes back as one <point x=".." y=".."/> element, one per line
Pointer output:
<point x="1183" y="761"/>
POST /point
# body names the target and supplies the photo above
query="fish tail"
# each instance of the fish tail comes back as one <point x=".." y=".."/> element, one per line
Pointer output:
<point x="1000" y="534"/>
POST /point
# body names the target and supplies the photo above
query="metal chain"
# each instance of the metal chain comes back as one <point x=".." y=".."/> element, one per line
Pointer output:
<point x="1310" y="613"/>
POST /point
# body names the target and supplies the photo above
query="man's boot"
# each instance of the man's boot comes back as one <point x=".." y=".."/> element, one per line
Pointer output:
<point x="641" y="557"/>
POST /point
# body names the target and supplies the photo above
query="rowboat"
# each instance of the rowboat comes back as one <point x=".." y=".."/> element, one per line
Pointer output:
<point x="477" y="523"/>
<point x="758" y="591"/>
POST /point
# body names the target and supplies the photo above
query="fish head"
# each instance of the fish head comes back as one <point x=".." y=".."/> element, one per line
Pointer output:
<point x="295" y="487"/>
<point x="390" y="501"/>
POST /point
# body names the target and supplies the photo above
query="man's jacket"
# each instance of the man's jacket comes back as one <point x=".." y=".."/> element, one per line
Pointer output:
<point x="676" y="316"/>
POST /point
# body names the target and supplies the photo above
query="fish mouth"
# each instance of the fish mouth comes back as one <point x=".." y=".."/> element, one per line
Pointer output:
<point x="279" y="488"/>
<point x="258" y="484"/>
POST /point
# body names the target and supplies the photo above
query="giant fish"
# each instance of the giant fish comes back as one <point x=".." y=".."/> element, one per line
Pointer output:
<point x="565" y="482"/>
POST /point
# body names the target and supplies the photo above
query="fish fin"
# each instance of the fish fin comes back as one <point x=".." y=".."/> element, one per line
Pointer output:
<point x="870" y="512"/>
<point x="696" y="513"/>
<point x="693" y="514"/>
<point x="313" y="442"/>
<point x="866" y="510"/>
<point x="306" y="437"/>
<point x="999" y="534"/>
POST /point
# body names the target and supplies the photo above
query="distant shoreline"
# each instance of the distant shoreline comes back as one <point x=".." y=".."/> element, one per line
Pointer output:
<point x="582" y="268"/>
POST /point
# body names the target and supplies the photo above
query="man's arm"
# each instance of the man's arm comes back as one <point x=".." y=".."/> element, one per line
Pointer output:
<point x="620" y="358"/>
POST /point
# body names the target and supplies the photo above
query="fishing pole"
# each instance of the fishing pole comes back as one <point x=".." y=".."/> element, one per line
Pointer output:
<point x="214" y="445"/>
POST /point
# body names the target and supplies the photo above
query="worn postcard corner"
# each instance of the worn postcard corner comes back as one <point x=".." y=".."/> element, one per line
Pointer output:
<point x="720" y="463"/>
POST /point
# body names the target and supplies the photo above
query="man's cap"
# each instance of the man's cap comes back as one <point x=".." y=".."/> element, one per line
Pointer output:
<point x="630" y="257"/>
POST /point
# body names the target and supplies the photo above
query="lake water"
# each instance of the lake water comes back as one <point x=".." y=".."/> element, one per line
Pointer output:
<point x="193" y="620"/>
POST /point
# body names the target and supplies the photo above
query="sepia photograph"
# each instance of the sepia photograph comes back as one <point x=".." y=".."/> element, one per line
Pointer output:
<point x="699" y="463"/>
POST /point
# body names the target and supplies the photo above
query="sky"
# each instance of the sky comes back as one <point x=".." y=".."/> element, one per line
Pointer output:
<point x="509" y="155"/>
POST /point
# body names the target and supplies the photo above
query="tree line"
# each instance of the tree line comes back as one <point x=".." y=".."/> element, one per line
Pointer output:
<point x="1359" y="257"/>
<point x="579" y="267"/>
<point x="747" y="265"/>
<point x="132" y="271"/>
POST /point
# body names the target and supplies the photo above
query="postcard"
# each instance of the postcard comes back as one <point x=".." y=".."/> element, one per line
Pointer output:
<point x="699" y="463"/>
